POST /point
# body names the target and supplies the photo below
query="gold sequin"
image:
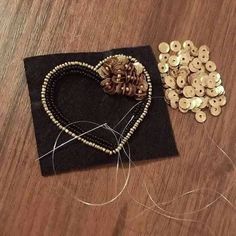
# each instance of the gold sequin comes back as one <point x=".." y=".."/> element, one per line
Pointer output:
<point x="200" y="116"/>
<point x="174" y="60"/>
<point x="196" y="109"/>
<point x="184" y="59"/>
<point x="167" y="91"/>
<point x="210" y="66"/>
<point x="215" y="111"/>
<point x="183" y="110"/>
<point x="175" y="46"/>
<point x="197" y="63"/>
<point x="202" y="69"/>
<point x="170" y="81"/>
<point x="194" y="81"/>
<point x="200" y="91"/>
<point x="184" y="103"/>
<point x="163" y="57"/>
<point x="192" y="68"/>
<point x="188" y="91"/>
<point x="221" y="100"/>
<point x="214" y="75"/>
<point x="164" y="47"/>
<point x="204" y="49"/>
<point x="181" y="81"/>
<point x="203" y="57"/>
<point x="163" y="67"/>
<point x="172" y="95"/>
<point x="184" y="71"/>
<point x="210" y="83"/>
<point x="194" y="51"/>
<point x="220" y="90"/>
<point x="188" y="44"/>
<point x="214" y="102"/>
<point x="174" y="103"/>
<point x="211" y="92"/>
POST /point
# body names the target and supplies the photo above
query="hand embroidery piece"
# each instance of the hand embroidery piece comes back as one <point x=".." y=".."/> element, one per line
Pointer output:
<point x="117" y="75"/>
<point x="82" y="98"/>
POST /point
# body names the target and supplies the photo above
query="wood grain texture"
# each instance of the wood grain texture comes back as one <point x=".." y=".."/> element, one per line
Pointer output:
<point x="34" y="205"/>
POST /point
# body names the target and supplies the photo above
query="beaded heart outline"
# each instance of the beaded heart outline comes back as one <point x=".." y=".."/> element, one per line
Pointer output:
<point x="127" y="136"/>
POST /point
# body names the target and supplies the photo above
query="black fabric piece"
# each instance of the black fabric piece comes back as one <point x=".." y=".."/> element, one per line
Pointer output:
<point x="83" y="99"/>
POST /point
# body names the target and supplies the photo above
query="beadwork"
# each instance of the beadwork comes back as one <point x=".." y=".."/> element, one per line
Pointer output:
<point x="90" y="72"/>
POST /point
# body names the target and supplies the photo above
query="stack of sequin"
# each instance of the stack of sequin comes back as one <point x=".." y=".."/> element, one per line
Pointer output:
<point x="190" y="79"/>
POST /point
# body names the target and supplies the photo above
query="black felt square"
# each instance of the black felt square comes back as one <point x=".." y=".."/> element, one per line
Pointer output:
<point x="82" y="99"/>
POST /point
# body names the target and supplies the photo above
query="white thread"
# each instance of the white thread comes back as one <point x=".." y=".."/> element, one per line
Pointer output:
<point x="70" y="140"/>
<point x="192" y="191"/>
<point x="160" y="213"/>
<point x="220" y="148"/>
<point x="127" y="177"/>
<point x="149" y="195"/>
<point x="131" y="110"/>
<point x="126" y="114"/>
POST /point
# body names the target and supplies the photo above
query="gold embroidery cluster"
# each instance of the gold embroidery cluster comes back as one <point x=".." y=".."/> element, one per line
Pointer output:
<point x="121" y="75"/>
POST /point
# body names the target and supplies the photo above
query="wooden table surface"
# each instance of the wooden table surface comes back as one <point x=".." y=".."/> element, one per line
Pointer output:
<point x="34" y="205"/>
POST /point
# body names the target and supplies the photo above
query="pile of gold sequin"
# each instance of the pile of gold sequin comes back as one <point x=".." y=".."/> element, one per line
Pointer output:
<point x="190" y="79"/>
